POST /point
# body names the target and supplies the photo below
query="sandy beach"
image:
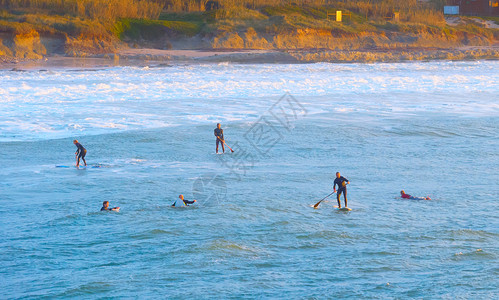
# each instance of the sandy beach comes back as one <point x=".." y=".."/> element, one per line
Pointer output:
<point x="149" y="57"/>
<point x="157" y="57"/>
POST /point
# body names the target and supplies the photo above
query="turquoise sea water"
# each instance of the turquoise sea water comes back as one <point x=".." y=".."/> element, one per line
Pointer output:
<point x="428" y="128"/>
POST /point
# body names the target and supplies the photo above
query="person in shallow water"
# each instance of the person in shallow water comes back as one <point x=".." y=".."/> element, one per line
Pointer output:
<point x="105" y="207"/>
<point x="407" y="196"/>
<point x="342" y="188"/>
<point x="186" y="202"/>
<point x="80" y="153"/>
<point x="219" y="134"/>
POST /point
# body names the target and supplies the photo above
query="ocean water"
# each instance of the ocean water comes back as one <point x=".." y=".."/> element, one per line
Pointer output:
<point x="430" y="128"/>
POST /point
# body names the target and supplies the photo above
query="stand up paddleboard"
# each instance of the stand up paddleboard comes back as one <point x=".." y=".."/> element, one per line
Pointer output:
<point x="343" y="208"/>
<point x="81" y="167"/>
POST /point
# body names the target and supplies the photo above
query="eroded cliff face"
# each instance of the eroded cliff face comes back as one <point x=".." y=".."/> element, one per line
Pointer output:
<point x="248" y="40"/>
<point x="82" y="46"/>
<point x="329" y="40"/>
<point x="4" y="50"/>
<point x="26" y="45"/>
<point x="31" y="45"/>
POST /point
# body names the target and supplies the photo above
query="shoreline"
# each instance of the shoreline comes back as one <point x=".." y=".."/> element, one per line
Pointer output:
<point x="155" y="57"/>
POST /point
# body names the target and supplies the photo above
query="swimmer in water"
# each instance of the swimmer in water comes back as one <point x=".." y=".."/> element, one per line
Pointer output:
<point x="407" y="196"/>
<point x="186" y="202"/>
<point x="105" y="207"/>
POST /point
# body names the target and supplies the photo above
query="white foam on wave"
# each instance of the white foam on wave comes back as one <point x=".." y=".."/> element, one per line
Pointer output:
<point x="38" y="105"/>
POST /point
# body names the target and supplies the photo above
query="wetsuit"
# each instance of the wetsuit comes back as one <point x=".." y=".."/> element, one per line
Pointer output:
<point x="107" y="209"/>
<point x="342" y="188"/>
<point x="219" y="133"/>
<point x="407" y="196"/>
<point x="186" y="202"/>
<point x="81" y="152"/>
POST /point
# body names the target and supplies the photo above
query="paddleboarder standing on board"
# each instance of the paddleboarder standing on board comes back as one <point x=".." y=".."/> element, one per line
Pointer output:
<point x="342" y="188"/>
<point x="219" y="134"/>
<point x="80" y="153"/>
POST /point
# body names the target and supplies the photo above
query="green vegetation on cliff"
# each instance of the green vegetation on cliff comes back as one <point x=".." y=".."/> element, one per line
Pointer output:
<point x="33" y="28"/>
<point x="152" y="29"/>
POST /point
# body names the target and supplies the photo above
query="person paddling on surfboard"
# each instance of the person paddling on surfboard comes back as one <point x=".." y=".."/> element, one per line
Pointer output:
<point x="219" y="134"/>
<point x="185" y="202"/>
<point x="105" y="207"/>
<point x="342" y="188"/>
<point x="407" y="196"/>
<point x="80" y="153"/>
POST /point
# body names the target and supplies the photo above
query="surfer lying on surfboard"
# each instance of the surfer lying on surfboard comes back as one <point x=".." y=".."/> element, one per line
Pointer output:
<point x="182" y="202"/>
<point x="105" y="207"/>
<point x="407" y="196"/>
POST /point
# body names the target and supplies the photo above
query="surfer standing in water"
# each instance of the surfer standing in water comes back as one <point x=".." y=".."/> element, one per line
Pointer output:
<point x="219" y="134"/>
<point x="342" y="188"/>
<point x="407" y="196"/>
<point x="80" y="153"/>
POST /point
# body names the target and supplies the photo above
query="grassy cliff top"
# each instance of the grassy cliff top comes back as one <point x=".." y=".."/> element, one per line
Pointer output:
<point x="259" y="24"/>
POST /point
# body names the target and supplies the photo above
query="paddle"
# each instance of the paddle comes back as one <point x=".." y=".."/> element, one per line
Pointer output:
<point x="225" y="143"/>
<point x="317" y="204"/>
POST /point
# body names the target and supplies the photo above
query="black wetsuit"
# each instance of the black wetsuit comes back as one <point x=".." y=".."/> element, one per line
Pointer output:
<point x="81" y="152"/>
<point x="219" y="132"/>
<point x="342" y="188"/>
